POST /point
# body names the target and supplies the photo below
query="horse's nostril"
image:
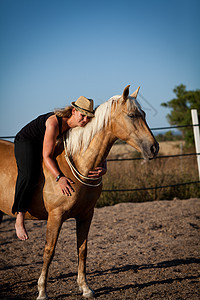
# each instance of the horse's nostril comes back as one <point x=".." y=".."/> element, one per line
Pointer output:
<point x="154" y="148"/>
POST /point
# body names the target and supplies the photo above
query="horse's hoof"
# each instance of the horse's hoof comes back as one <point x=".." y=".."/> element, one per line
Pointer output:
<point x="42" y="297"/>
<point x="89" y="294"/>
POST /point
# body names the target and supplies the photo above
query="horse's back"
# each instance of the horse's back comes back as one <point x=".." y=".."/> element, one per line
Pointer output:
<point x="8" y="175"/>
<point x="8" y="165"/>
<point x="6" y="150"/>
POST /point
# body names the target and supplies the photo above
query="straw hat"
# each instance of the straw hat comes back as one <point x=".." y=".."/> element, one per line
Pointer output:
<point x="84" y="105"/>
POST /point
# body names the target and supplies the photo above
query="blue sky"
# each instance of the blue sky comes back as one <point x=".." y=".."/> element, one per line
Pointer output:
<point x="53" y="51"/>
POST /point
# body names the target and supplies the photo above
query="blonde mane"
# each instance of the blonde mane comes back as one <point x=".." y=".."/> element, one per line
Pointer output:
<point x="79" y="138"/>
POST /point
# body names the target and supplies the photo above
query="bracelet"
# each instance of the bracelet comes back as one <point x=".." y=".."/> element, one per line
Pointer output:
<point x="58" y="177"/>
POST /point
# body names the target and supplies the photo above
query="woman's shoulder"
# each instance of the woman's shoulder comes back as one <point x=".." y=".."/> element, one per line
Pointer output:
<point x="52" y="121"/>
<point x="52" y="127"/>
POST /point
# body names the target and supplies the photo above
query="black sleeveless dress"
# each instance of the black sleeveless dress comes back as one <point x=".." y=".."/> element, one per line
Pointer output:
<point x="28" y="153"/>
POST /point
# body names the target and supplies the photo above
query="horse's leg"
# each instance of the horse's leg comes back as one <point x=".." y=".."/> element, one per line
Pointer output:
<point x="54" y="224"/>
<point x="82" y="229"/>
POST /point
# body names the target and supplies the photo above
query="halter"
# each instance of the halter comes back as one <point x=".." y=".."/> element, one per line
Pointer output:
<point x="75" y="171"/>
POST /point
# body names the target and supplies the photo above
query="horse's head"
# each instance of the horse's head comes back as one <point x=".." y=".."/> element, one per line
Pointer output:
<point x="129" y="124"/>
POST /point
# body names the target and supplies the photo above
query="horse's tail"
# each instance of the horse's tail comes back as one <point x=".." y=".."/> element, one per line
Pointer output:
<point x="1" y="216"/>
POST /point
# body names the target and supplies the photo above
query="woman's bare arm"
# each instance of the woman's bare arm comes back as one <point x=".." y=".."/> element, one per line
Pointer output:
<point x="51" y="133"/>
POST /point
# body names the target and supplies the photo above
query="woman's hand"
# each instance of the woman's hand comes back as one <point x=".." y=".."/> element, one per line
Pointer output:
<point x="98" y="172"/>
<point x="65" y="185"/>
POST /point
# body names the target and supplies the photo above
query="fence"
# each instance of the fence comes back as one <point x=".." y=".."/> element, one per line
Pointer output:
<point x="155" y="187"/>
<point x="158" y="157"/>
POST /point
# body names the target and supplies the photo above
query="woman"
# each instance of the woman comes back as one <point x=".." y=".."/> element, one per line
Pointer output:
<point x="37" y="140"/>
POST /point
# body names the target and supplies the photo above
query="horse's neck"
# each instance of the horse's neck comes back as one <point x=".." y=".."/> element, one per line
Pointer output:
<point x="96" y="153"/>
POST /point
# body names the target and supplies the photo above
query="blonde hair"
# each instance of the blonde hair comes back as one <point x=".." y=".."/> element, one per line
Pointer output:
<point x="64" y="112"/>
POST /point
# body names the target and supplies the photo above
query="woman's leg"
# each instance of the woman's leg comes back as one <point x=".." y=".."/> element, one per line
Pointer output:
<point x="20" y="227"/>
<point x="28" y="162"/>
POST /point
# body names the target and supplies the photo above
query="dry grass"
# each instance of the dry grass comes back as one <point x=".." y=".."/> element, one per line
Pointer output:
<point x="136" y="174"/>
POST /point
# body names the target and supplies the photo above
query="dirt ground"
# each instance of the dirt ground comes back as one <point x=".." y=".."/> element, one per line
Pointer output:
<point x="135" y="251"/>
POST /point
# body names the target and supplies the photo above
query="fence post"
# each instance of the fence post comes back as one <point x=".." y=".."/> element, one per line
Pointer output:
<point x="196" y="135"/>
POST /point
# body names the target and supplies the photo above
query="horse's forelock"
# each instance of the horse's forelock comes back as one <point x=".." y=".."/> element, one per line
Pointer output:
<point x="133" y="104"/>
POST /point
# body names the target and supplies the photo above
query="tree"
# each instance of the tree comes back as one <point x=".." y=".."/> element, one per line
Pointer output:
<point x="181" y="110"/>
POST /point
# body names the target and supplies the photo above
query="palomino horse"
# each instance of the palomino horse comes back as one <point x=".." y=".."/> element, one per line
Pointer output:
<point x="83" y="149"/>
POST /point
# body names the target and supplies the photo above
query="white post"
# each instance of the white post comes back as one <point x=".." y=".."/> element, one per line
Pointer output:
<point x="196" y="135"/>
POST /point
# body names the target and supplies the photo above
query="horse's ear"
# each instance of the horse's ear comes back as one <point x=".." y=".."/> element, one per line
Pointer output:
<point x="134" y="95"/>
<point x="125" y="93"/>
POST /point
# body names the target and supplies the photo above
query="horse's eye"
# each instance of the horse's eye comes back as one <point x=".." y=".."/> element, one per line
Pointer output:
<point x="132" y="116"/>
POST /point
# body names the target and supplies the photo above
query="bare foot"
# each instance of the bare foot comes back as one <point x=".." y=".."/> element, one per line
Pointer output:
<point x="20" y="227"/>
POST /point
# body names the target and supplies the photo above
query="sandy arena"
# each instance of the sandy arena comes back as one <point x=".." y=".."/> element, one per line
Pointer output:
<point x="135" y="251"/>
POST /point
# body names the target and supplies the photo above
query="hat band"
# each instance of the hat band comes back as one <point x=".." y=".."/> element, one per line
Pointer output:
<point x="83" y="108"/>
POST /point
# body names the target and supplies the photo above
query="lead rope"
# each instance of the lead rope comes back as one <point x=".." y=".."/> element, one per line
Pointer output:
<point x="75" y="171"/>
